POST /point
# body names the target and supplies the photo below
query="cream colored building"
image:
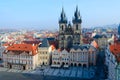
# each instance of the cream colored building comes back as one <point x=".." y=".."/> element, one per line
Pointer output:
<point x="20" y="56"/>
<point x="101" y="40"/>
<point x="44" y="56"/>
<point x="60" y="58"/>
<point x="44" y="53"/>
<point x="83" y="55"/>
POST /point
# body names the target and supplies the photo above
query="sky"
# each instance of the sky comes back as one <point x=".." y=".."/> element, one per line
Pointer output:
<point x="44" y="14"/>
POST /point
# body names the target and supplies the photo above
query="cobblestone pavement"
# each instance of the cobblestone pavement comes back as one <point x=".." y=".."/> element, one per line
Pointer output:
<point x="24" y="76"/>
<point x="70" y="72"/>
<point x="77" y="72"/>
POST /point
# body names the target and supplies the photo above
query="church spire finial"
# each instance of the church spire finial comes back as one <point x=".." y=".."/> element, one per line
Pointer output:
<point x="77" y="17"/>
<point x="63" y="18"/>
<point x="76" y="8"/>
<point x="63" y="13"/>
<point x="77" y="13"/>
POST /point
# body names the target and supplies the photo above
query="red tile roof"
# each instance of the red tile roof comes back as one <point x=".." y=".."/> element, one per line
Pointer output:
<point x="115" y="49"/>
<point x="23" y="47"/>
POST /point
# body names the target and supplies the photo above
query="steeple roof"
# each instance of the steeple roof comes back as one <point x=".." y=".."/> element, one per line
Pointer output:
<point x="63" y="18"/>
<point x="76" y="14"/>
<point x="77" y="17"/>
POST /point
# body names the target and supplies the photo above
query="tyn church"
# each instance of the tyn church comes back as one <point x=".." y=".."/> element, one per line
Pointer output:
<point x="70" y="35"/>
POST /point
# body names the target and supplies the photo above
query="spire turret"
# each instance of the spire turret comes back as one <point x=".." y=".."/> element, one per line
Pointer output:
<point x="77" y="17"/>
<point x="63" y="18"/>
<point x="76" y="14"/>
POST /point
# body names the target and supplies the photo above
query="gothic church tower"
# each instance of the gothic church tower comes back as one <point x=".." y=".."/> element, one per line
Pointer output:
<point x="77" y="27"/>
<point x="62" y="27"/>
<point x="69" y="35"/>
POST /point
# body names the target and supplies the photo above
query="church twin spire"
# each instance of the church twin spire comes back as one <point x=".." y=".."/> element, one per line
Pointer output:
<point x="69" y="35"/>
<point x="77" y="13"/>
<point x="77" y="17"/>
<point x="63" y="18"/>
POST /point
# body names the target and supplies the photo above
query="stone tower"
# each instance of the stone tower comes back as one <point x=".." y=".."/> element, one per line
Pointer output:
<point x="62" y="27"/>
<point x="77" y="27"/>
<point x="69" y="35"/>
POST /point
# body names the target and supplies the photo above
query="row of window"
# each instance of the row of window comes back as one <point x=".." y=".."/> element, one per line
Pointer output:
<point x="77" y="27"/>
<point x="41" y="57"/>
<point x="43" y="52"/>
<point x="19" y="61"/>
<point x="60" y="59"/>
<point x="21" y="56"/>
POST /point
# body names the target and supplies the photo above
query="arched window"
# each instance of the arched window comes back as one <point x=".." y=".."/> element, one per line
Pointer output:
<point x="54" y="62"/>
<point x="58" y="62"/>
<point x="77" y="27"/>
<point x="62" y="27"/>
<point x="79" y="65"/>
<point x="75" y="64"/>
<point x="84" y="65"/>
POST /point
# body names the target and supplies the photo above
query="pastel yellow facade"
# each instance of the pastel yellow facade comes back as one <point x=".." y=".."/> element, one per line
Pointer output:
<point x="44" y="56"/>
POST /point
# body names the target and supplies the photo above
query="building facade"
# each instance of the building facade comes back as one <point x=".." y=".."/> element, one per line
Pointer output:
<point x="101" y="40"/>
<point x="1" y="52"/>
<point x="44" y="52"/>
<point x="21" y="56"/>
<point x="60" y="58"/>
<point x="113" y="61"/>
<point x="83" y="56"/>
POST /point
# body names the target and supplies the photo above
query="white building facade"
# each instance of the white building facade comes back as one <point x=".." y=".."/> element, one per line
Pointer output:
<point x="17" y="57"/>
<point x="112" y="63"/>
<point x="60" y="58"/>
<point x="83" y="56"/>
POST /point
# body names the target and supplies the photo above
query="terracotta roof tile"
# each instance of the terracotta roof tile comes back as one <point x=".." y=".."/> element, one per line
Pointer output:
<point x="23" y="47"/>
<point x="115" y="49"/>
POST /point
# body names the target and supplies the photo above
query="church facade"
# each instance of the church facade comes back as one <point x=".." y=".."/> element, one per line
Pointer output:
<point x="70" y="34"/>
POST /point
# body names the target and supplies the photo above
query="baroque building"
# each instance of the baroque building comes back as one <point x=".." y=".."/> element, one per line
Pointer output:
<point x="70" y="35"/>
<point x="112" y="59"/>
<point x="82" y="56"/>
<point x="21" y="56"/>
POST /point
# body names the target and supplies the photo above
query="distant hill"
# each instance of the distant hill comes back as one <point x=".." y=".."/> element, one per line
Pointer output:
<point x="107" y="26"/>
